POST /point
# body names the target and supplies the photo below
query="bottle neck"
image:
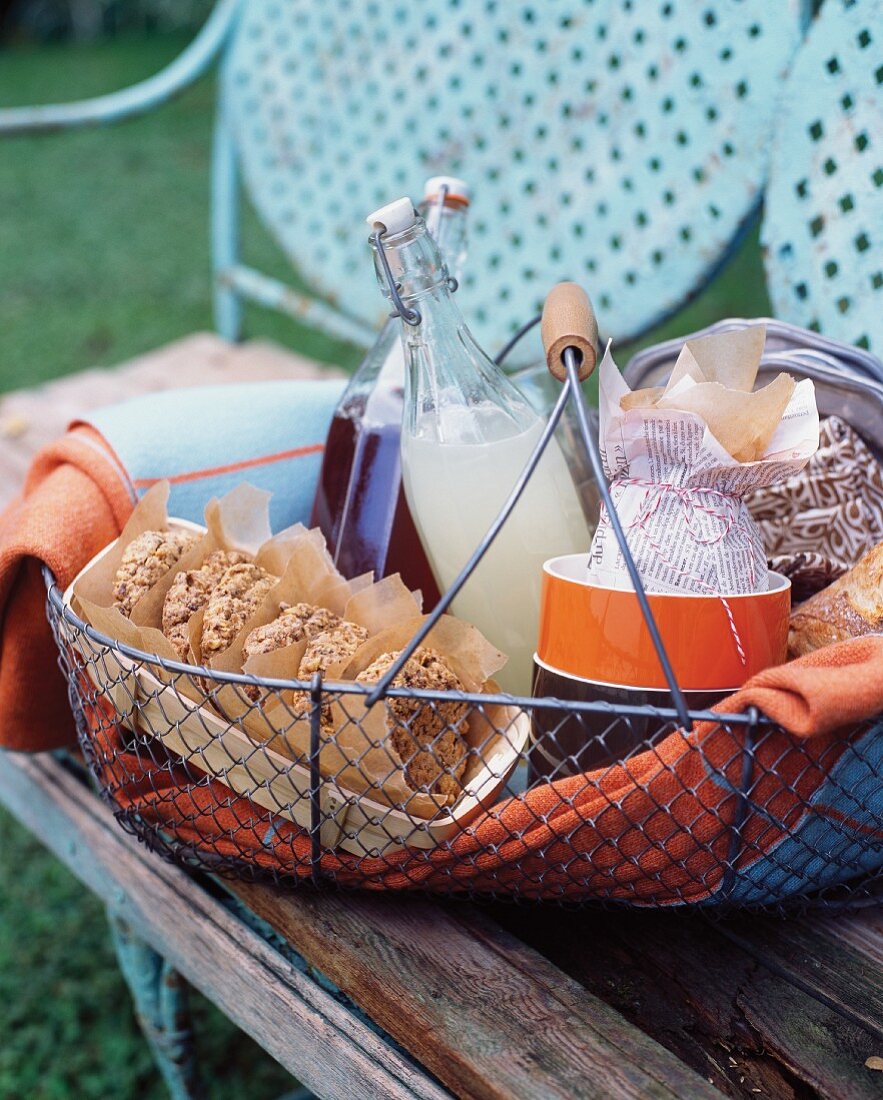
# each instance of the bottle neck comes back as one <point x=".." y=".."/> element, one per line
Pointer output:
<point x="416" y="264"/>
<point x="446" y="222"/>
<point x="453" y="390"/>
<point x="383" y="367"/>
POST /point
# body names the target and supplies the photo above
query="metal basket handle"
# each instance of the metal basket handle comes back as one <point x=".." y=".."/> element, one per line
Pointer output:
<point x="570" y="335"/>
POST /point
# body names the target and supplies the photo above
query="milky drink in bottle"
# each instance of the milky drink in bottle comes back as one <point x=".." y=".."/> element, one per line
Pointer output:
<point x="467" y="434"/>
<point x="359" y="503"/>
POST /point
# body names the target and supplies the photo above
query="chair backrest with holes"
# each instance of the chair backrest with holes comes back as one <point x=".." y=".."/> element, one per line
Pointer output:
<point x="823" y="227"/>
<point x="619" y="143"/>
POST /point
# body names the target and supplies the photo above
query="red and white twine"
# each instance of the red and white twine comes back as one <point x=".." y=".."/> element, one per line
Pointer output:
<point x="722" y="507"/>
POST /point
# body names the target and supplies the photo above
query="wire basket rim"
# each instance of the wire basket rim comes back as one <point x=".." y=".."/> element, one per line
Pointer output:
<point x="349" y="687"/>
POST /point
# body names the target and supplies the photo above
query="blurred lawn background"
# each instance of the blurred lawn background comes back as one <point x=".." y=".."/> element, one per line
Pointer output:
<point x="103" y="255"/>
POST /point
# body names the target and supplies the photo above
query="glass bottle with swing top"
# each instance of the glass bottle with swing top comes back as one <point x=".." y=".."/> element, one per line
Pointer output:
<point x="359" y="504"/>
<point x="467" y="434"/>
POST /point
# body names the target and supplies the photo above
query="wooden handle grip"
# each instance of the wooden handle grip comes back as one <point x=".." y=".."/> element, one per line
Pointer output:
<point x="569" y="322"/>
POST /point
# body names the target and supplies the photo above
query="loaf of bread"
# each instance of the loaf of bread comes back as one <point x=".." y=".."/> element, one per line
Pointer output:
<point x="848" y="608"/>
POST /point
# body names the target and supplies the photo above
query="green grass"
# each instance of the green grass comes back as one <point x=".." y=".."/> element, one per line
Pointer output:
<point x="104" y="233"/>
<point x="104" y="254"/>
<point x="67" y="1030"/>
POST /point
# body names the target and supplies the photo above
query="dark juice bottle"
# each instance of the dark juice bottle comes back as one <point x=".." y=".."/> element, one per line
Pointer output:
<point x="360" y="505"/>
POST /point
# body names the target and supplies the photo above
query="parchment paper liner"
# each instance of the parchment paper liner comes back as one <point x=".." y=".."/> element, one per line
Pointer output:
<point x="356" y="751"/>
<point x="714" y="379"/>
<point x="356" y="754"/>
<point x="238" y="521"/>
<point x="373" y="606"/>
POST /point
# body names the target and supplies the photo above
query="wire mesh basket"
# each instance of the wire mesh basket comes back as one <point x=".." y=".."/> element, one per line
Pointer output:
<point x="374" y="784"/>
<point x="736" y="812"/>
<point x="483" y="794"/>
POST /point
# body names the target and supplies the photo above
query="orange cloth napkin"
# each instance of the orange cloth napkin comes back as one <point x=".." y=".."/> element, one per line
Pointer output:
<point x="834" y="687"/>
<point x="654" y="830"/>
<point x="75" y="500"/>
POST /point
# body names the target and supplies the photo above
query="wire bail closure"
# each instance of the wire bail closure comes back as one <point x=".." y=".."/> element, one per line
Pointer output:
<point x="411" y="316"/>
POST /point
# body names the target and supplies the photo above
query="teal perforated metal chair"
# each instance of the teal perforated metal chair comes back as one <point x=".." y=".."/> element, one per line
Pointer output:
<point x="620" y="144"/>
<point x="823" y="226"/>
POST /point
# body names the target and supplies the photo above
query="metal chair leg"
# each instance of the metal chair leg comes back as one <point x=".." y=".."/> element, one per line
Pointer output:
<point x="160" y="995"/>
<point x="225" y="227"/>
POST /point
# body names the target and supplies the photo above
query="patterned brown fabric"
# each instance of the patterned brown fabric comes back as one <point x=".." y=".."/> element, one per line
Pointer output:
<point x="818" y="524"/>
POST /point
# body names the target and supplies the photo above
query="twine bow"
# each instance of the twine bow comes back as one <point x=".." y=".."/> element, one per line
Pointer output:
<point x="690" y="497"/>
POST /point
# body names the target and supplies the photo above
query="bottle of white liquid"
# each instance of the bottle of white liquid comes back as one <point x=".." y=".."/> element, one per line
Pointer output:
<point x="359" y="503"/>
<point x="467" y="433"/>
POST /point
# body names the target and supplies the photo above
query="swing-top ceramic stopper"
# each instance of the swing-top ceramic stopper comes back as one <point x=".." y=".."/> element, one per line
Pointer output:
<point x="395" y="217"/>
<point x="456" y="190"/>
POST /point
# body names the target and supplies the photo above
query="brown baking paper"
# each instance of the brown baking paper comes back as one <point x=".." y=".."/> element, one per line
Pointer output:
<point x="374" y="607"/>
<point x="237" y="521"/>
<point x="240" y="520"/>
<point x="92" y="596"/>
<point x="681" y="461"/>
<point x="311" y="577"/>
<point x="355" y="750"/>
<point x="355" y="754"/>
<point x="714" y="379"/>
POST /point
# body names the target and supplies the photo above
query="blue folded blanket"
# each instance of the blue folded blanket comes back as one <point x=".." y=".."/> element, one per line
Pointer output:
<point x="208" y="439"/>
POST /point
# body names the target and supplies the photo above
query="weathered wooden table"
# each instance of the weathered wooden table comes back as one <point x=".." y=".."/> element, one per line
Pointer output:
<point x="370" y="996"/>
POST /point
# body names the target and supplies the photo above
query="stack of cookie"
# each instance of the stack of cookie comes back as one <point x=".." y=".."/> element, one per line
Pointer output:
<point x="228" y="587"/>
<point x="279" y="609"/>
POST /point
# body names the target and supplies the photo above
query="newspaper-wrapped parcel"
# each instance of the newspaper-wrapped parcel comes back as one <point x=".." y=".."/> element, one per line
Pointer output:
<point x="681" y="458"/>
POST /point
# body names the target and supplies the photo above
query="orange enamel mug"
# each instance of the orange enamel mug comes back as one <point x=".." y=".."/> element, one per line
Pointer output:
<point x="714" y="643"/>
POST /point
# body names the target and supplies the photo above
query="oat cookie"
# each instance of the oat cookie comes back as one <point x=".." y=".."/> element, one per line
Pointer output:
<point x="425" y="735"/>
<point x="145" y="561"/>
<point x="293" y="623"/>
<point x="323" y="650"/>
<point x="237" y="595"/>
<point x="330" y="647"/>
<point x="190" y="592"/>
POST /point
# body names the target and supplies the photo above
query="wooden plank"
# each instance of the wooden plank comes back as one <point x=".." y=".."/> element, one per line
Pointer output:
<point x="826" y="966"/>
<point x="863" y="931"/>
<point x="740" y="1007"/>
<point x="487" y="1015"/>
<point x="294" y="1018"/>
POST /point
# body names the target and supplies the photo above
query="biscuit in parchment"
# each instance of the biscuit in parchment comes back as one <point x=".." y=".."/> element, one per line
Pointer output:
<point x="330" y="647"/>
<point x="190" y="592"/>
<point x="425" y="735"/>
<point x="323" y="650"/>
<point x="293" y="623"/>
<point x="236" y="596"/>
<point x="145" y="561"/>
